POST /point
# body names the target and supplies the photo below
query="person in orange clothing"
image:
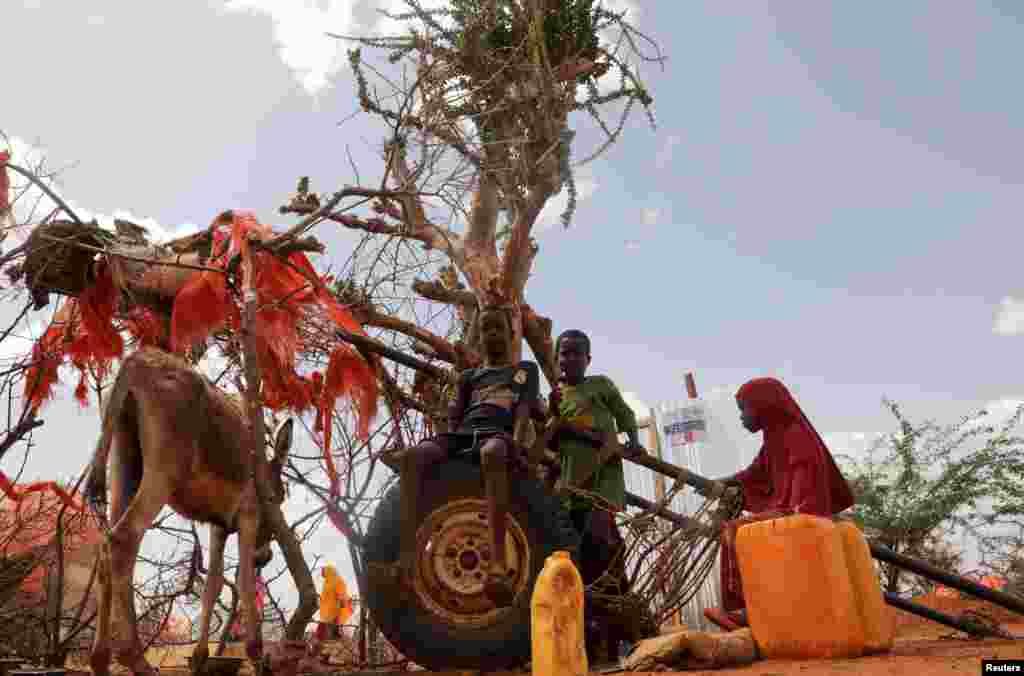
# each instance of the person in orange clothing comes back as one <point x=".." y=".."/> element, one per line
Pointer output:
<point x="793" y="473"/>
<point x="335" y="605"/>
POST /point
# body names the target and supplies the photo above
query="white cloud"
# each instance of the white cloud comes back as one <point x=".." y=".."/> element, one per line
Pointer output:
<point x="158" y="234"/>
<point x="551" y="214"/>
<point x="664" y="156"/>
<point x="31" y="204"/>
<point x="387" y="26"/>
<point x="300" y="33"/>
<point x="649" y="216"/>
<point x="1009" y="318"/>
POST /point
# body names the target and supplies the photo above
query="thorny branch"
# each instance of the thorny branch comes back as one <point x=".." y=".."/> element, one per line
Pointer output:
<point x="476" y="145"/>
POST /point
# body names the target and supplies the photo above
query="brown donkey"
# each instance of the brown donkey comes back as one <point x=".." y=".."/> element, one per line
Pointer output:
<point x="177" y="440"/>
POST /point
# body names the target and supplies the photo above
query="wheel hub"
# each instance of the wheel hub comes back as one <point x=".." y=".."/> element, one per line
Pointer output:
<point x="455" y="554"/>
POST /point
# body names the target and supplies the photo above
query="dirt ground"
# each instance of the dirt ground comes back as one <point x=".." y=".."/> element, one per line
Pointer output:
<point x="909" y="656"/>
<point x="921" y="647"/>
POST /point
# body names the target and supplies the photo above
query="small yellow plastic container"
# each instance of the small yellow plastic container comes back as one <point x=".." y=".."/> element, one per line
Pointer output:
<point x="800" y="598"/>
<point x="876" y="617"/>
<point x="556" y="619"/>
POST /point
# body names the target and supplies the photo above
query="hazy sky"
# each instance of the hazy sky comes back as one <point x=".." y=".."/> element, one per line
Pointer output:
<point x="831" y="195"/>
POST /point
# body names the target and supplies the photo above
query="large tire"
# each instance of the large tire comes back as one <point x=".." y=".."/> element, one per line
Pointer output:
<point x="449" y="624"/>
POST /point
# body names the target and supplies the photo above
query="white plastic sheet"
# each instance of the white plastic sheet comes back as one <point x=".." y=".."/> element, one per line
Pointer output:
<point x="705" y="437"/>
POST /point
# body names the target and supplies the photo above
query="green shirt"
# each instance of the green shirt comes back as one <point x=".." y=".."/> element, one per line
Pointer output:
<point x="597" y="403"/>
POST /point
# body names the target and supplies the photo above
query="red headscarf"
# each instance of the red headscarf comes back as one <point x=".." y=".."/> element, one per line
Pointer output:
<point x="794" y="470"/>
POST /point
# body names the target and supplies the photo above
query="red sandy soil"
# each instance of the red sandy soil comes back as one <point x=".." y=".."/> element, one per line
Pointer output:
<point x="922" y="647"/>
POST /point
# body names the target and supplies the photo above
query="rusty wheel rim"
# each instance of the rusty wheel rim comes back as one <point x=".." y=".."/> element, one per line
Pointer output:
<point x="454" y="552"/>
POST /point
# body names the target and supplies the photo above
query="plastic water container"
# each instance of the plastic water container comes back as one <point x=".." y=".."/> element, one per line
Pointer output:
<point x="556" y="619"/>
<point x="876" y="617"/>
<point x="800" y="598"/>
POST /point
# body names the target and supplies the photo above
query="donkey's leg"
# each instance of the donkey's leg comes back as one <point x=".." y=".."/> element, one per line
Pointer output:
<point x="100" y="658"/>
<point x="214" y="585"/>
<point x="125" y="438"/>
<point x="248" y="529"/>
<point x="125" y="540"/>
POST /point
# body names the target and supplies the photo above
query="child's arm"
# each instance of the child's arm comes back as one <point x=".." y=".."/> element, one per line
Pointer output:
<point x="527" y="403"/>
<point x="625" y="419"/>
<point x="457" y="409"/>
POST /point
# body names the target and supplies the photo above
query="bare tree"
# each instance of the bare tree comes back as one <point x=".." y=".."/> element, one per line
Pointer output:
<point x="477" y="100"/>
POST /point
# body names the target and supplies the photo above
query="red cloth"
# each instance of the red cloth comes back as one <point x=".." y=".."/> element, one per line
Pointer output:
<point x="794" y="469"/>
<point x="793" y="472"/>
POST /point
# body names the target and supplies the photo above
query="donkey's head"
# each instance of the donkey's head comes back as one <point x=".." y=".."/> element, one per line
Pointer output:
<point x="278" y="492"/>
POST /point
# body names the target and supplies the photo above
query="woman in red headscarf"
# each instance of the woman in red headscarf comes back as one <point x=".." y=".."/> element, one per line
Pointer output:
<point x="793" y="473"/>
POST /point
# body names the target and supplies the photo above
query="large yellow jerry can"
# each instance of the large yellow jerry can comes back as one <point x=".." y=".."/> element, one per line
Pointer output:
<point x="556" y="620"/>
<point x="800" y="598"/>
<point x="877" y="619"/>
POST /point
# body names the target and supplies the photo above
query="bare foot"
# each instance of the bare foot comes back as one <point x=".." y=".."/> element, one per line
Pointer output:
<point x="498" y="589"/>
<point x="722" y="618"/>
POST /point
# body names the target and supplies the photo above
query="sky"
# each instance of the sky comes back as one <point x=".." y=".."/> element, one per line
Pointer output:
<point x="830" y="196"/>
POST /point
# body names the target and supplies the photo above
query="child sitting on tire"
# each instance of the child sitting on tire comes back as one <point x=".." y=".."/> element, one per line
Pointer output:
<point x="490" y="417"/>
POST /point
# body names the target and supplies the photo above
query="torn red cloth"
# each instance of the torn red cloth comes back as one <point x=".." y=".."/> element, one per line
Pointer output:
<point x="81" y="332"/>
<point x="284" y="292"/>
<point x="284" y="289"/>
<point x="48" y="355"/>
<point x="793" y="472"/>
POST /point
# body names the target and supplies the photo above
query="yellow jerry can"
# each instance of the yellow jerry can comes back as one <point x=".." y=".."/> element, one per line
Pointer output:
<point x="796" y="581"/>
<point x="556" y="619"/>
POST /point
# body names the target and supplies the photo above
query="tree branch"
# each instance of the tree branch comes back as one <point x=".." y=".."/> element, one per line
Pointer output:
<point x="438" y="292"/>
<point x="537" y="331"/>
<point x="376" y="347"/>
<point x="371" y="317"/>
<point x="449" y="138"/>
<point x="20" y="430"/>
<point x="46" y="189"/>
<point x="483" y="218"/>
<point x="517" y="259"/>
<point x="416" y="224"/>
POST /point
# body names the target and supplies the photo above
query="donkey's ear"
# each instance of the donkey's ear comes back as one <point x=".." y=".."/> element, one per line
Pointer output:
<point x="283" y="439"/>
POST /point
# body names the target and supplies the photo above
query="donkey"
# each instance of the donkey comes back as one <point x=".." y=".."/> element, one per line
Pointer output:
<point x="177" y="440"/>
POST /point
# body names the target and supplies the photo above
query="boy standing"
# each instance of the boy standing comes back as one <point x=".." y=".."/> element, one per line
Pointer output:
<point x="595" y="409"/>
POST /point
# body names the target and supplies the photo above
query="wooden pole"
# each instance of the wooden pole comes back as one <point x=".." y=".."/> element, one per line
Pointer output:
<point x="691" y="392"/>
<point x="654" y="445"/>
<point x="691" y="386"/>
